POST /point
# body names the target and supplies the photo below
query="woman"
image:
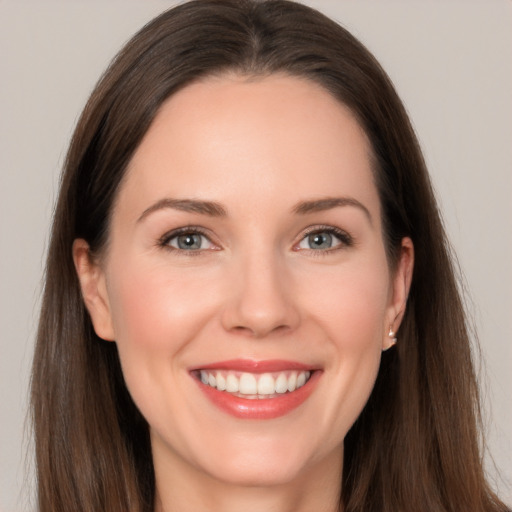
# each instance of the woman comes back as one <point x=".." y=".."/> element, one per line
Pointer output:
<point x="245" y="225"/>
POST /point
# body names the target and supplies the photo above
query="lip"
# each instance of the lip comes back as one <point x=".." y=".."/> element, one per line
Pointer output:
<point x="264" y="408"/>
<point x="251" y="366"/>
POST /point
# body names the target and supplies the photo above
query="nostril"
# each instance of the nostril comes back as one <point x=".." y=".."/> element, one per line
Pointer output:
<point x="258" y="332"/>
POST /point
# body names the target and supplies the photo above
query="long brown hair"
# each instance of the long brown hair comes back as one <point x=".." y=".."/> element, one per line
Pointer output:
<point x="415" y="446"/>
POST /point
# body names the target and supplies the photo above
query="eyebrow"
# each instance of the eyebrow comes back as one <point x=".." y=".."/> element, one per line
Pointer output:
<point x="209" y="208"/>
<point x="214" y="209"/>
<point x="320" y="205"/>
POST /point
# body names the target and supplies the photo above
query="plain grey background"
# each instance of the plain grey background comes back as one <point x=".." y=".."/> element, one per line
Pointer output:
<point x="451" y="62"/>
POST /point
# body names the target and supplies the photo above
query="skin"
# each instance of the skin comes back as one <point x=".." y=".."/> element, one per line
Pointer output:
<point x="256" y="289"/>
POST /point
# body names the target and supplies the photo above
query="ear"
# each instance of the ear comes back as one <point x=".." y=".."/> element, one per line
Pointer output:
<point x="400" y="291"/>
<point x="94" y="289"/>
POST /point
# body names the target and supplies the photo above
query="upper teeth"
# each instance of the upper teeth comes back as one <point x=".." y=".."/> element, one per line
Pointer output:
<point x="254" y="384"/>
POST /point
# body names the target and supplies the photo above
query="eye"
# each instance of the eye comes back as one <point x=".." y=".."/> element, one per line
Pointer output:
<point x="324" y="239"/>
<point x="187" y="240"/>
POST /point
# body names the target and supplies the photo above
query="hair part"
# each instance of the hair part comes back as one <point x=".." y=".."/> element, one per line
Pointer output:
<point x="415" y="445"/>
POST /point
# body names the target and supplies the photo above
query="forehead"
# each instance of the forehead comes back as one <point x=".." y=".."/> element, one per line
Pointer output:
<point x="231" y="135"/>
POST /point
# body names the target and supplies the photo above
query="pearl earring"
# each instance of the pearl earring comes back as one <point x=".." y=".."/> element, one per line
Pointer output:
<point x="392" y="337"/>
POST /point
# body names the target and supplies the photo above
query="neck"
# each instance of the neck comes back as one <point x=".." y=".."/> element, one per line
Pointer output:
<point x="184" y="488"/>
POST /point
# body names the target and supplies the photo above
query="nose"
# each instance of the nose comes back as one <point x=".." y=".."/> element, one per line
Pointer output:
<point x="260" y="298"/>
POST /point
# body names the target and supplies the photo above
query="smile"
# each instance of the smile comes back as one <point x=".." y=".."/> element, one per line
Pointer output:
<point x="255" y="385"/>
<point x="256" y="390"/>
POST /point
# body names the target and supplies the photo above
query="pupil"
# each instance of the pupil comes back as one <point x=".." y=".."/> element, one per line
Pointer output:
<point x="189" y="242"/>
<point x="320" y="240"/>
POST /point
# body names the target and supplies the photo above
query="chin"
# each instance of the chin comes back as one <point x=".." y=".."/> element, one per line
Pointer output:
<point x="265" y="472"/>
<point x="262" y="462"/>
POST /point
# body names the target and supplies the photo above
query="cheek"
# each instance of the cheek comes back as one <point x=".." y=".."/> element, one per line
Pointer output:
<point x="156" y="314"/>
<point x="351" y="312"/>
<point x="156" y="309"/>
<point x="351" y="304"/>
<point x="355" y="319"/>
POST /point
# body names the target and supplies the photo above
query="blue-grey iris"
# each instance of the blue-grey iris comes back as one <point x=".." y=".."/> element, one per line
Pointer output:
<point x="320" y="241"/>
<point x="189" y="241"/>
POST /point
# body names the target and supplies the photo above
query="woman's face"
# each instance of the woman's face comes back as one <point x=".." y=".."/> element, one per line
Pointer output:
<point x="245" y="260"/>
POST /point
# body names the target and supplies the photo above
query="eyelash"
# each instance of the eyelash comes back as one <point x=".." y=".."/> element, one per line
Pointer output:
<point x="344" y="238"/>
<point x="164" y="241"/>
